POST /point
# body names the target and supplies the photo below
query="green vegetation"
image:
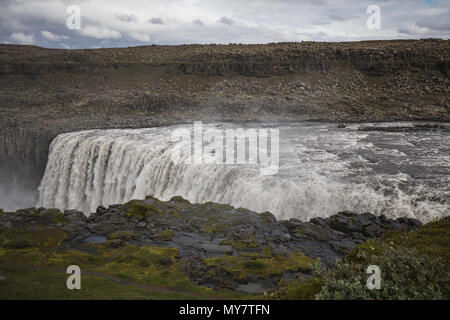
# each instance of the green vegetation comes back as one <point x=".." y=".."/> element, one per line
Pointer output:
<point x="165" y="235"/>
<point x="24" y="283"/>
<point x="122" y="235"/>
<point x="414" y="265"/>
<point x="241" y="244"/>
<point x="299" y="289"/>
<point x="433" y="239"/>
<point x="405" y="274"/>
<point x="140" y="210"/>
<point x="32" y="266"/>
<point x="242" y="266"/>
<point x="180" y="200"/>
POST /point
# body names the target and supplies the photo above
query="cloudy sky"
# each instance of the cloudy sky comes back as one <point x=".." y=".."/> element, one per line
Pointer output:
<point x="118" y="23"/>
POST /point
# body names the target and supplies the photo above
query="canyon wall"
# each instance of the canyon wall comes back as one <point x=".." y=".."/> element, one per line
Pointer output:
<point x="45" y="92"/>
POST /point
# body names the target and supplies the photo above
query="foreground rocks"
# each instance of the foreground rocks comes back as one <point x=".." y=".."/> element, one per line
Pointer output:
<point x="217" y="245"/>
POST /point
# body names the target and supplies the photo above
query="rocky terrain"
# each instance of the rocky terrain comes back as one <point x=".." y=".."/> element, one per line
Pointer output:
<point x="215" y="245"/>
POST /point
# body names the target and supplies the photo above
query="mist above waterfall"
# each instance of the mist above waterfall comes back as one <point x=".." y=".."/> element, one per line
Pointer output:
<point x="323" y="170"/>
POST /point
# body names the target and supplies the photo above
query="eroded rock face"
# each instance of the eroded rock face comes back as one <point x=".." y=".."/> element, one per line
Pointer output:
<point x="23" y="156"/>
<point x="219" y="246"/>
<point x="67" y="90"/>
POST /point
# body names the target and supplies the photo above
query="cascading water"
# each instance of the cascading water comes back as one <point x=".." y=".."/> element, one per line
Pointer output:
<point x="322" y="170"/>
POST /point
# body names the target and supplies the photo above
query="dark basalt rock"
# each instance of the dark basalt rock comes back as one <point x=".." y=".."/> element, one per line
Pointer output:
<point x="208" y="231"/>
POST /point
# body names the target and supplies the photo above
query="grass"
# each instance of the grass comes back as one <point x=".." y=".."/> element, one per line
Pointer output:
<point x="241" y="267"/>
<point x="22" y="283"/>
<point x="32" y="266"/>
<point x="432" y="239"/>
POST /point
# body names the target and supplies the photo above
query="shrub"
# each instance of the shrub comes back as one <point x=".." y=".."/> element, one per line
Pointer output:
<point x="405" y="274"/>
<point x="300" y="289"/>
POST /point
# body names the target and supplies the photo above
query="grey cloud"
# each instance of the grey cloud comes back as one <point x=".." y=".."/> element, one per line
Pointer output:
<point x="127" y="17"/>
<point x="439" y="24"/>
<point x="198" y="22"/>
<point x="156" y="21"/>
<point x="107" y="23"/>
<point x="226" y="20"/>
<point x="336" y="17"/>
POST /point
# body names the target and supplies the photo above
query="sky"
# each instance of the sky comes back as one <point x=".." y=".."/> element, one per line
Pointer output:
<point x="122" y="23"/>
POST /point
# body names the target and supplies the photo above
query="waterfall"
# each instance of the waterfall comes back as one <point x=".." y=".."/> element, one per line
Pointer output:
<point x="102" y="167"/>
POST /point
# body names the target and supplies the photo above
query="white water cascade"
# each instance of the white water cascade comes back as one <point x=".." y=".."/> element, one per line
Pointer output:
<point x="322" y="171"/>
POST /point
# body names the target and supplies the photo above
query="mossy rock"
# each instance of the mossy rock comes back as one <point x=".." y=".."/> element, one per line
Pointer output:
<point x="268" y="217"/>
<point x="217" y="227"/>
<point x="17" y="244"/>
<point x="138" y="210"/>
<point x="166" y="235"/>
<point x="43" y="239"/>
<point x="242" y="266"/>
<point x="241" y="244"/>
<point x="179" y="199"/>
<point x="122" y="235"/>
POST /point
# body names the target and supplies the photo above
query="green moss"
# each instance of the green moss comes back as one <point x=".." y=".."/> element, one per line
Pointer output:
<point x="180" y="200"/>
<point x="257" y="264"/>
<point x="299" y="289"/>
<point x="38" y="251"/>
<point x="138" y="210"/>
<point x="267" y="217"/>
<point x="122" y="235"/>
<point x="43" y="239"/>
<point x="240" y="267"/>
<point x="17" y="244"/>
<point x="59" y="218"/>
<point x="166" y="235"/>
<point x="216" y="206"/>
<point x="47" y="284"/>
<point x="267" y="251"/>
<point x="214" y="226"/>
<point x="241" y="244"/>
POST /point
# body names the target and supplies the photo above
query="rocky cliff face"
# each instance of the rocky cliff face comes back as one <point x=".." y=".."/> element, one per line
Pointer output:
<point x="360" y="81"/>
<point x="371" y="57"/>
<point x="23" y="156"/>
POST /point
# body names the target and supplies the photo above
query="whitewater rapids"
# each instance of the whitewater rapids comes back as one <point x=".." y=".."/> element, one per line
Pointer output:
<point x="322" y="170"/>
